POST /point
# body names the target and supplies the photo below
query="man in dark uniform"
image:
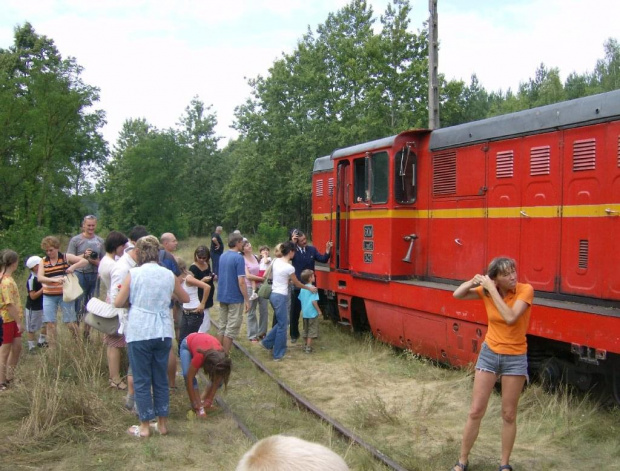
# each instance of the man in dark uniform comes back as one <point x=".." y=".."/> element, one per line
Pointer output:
<point x="304" y="259"/>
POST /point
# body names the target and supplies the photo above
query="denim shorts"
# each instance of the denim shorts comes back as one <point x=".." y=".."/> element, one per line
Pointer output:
<point x="513" y="365"/>
<point x="50" y="308"/>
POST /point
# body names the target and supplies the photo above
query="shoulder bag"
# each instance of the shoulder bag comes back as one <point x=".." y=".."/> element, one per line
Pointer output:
<point x="265" y="289"/>
<point x="103" y="316"/>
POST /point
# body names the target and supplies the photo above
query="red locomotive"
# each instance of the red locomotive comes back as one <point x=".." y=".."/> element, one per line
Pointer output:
<point x="413" y="215"/>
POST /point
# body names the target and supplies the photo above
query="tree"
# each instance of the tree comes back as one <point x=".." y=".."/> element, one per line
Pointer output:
<point x="203" y="174"/>
<point x="49" y="138"/>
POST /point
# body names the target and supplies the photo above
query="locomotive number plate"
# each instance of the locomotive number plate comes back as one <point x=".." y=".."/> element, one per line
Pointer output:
<point x="368" y="231"/>
<point x="369" y="246"/>
<point x="367" y="258"/>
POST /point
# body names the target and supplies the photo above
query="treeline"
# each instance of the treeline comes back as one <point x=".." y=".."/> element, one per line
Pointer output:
<point x="354" y="79"/>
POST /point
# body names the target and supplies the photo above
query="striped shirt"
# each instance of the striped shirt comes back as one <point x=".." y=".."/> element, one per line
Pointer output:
<point x="53" y="271"/>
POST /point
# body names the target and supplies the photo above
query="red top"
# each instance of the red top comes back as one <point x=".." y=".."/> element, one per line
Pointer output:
<point x="204" y="342"/>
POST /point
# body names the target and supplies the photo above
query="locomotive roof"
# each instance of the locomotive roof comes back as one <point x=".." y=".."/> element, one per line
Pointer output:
<point x="587" y="110"/>
<point x="321" y="164"/>
<point x="365" y="147"/>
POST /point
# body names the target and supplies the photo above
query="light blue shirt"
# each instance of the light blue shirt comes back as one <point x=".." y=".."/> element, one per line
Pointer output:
<point x="306" y="297"/>
<point x="149" y="294"/>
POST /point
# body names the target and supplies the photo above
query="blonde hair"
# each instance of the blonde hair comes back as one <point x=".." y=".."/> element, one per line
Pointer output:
<point x="148" y="249"/>
<point x="277" y="251"/>
<point x="282" y="453"/>
<point x="50" y="242"/>
<point x="181" y="264"/>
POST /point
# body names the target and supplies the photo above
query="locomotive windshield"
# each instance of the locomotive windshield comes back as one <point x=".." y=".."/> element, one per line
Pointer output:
<point x="371" y="178"/>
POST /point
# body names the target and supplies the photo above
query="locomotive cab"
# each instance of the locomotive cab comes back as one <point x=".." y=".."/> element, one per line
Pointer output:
<point x="374" y="205"/>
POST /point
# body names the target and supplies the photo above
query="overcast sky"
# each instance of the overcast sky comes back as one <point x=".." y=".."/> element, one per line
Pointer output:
<point x="150" y="57"/>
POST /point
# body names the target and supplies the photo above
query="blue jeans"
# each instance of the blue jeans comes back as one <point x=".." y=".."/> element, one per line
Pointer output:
<point x="50" y="308"/>
<point x="149" y="364"/>
<point x="186" y="359"/>
<point x="276" y="338"/>
<point x="88" y="282"/>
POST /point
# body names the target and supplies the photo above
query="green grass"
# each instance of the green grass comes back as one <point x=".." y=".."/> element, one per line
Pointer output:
<point x="61" y="414"/>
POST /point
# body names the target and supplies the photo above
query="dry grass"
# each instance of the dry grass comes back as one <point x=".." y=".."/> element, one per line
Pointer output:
<point x="61" y="414"/>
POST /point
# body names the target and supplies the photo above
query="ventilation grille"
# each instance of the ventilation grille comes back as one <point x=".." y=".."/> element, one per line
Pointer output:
<point x="319" y="187"/>
<point x="330" y="186"/>
<point x="505" y="164"/>
<point x="444" y="174"/>
<point x="584" y="155"/>
<point x="583" y="254"/>
<point x="540" y="160"/>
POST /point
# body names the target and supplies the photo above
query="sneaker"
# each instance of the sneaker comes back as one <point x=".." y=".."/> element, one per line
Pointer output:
<point x="263" y="345"/>
<point x="279" y="359"/>
<point x="254" y="296"/>
<point x="293" y="340"/>
<point x="43" y="345"/>
<point x="307" y="349"/>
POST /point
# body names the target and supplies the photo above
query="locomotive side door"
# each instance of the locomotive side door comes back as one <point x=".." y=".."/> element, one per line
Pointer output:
<point x="590" y="209"/>
<point x="343" y="207"/>
<point x="541" y="174"/>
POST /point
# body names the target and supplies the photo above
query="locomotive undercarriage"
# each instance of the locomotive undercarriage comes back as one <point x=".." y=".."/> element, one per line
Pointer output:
<point x="556" y="363"/>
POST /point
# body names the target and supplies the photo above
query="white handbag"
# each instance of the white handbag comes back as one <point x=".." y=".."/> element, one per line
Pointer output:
<point x="71" y="289"/>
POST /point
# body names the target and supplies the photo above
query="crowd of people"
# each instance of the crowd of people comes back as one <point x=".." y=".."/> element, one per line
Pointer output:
<point x="163" y="309"/>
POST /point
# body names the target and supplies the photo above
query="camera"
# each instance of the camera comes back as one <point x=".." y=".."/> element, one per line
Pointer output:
<point x="93" y="256"/>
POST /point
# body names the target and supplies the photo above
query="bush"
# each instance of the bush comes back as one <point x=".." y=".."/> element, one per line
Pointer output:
<point x="272" y="234"/>
<point x="24" y="237"/>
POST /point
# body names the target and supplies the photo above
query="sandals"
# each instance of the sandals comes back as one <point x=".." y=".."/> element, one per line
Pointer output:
<point x="134" y="431"/>
<point x="460" y="465"/>
<point x="121" y="385"/>
<point x="155" y="428"/>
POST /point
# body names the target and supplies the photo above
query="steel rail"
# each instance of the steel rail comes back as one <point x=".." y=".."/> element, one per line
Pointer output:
<point x="246" y="431"/>
<point x="341" y="429"/>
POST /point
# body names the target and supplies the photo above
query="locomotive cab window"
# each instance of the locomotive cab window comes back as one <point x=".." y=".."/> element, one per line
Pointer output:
<point x="361" y="181"/>
<point x="405" y="164"/>
<point x="371" y="178"/>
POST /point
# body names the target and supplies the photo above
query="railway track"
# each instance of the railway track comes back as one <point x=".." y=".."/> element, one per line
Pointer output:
<point x="343" y="431"/>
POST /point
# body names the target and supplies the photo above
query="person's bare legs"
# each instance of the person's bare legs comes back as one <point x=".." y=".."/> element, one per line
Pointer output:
<point x="483" y="386"/>
<point x="50" y="329"/>
<point x="511" y="392"/>
<point x="74" y="328"/>
<point x="15" y="352"/>
<point x="226" y="344"/>
<point x="162" y="425"/>
<point x="114" y="364"/>
<point x="5" y="351"/>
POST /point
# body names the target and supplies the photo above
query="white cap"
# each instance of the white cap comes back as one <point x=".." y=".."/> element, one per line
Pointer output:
<point x="33" y="261"/>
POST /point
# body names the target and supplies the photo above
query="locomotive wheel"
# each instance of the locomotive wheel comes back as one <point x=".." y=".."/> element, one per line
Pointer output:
<point x="550" y="374"/>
